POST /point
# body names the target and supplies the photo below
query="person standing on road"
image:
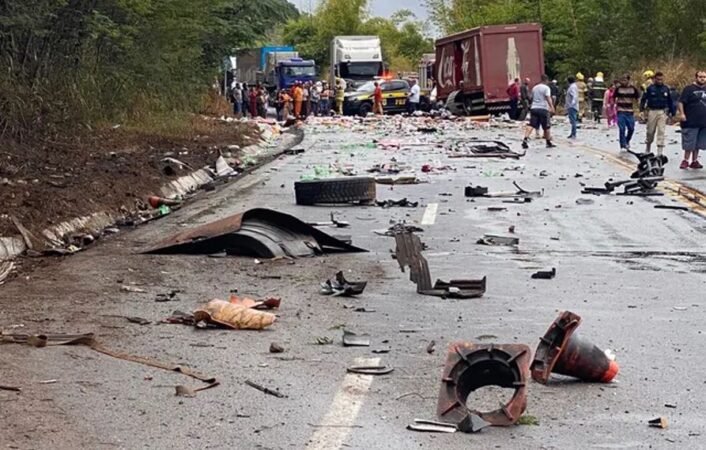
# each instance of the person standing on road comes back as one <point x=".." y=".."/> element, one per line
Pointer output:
<point x="262" y="99"/>
<point x="252" y="99"/>
<point x="609" y="107"/>
<point x="582" y="94"/>
<point x="692" y="111"/>
<point x="513" y="91"/>
<point x="525" y="99"/>
<point x="340" y="96"/>
<point x="626" y="95"/>
<point x="596" y="95"/>
<point x="315" y="98"/>
<point x="325" y="105"/>
<point x="657" y="107"/>
<point x="572" y="105"/>
<point x="540" y="112"/>
<point x="297" y="95"/>
<point x="554" y="88"/>
<point x="237" y="100"/>
<point x="377" y="99"/>
<point x="413" y="97"/>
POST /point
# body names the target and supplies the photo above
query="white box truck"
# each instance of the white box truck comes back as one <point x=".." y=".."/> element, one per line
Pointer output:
<point x="356" y="59"/>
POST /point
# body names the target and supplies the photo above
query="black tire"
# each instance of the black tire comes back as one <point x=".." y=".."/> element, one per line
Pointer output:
<point x="364" y="109"/>
<point x="336" y="190"/>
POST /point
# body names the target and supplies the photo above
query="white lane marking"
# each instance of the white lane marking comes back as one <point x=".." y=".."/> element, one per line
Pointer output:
<point x="429" y="216"/>
<point x="344" y="410"/>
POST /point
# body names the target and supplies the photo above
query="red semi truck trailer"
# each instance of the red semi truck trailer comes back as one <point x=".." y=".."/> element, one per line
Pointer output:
<point x="475" y="67"/>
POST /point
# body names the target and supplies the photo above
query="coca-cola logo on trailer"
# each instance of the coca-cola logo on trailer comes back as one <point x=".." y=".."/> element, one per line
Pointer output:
<point x="446" y="73"/>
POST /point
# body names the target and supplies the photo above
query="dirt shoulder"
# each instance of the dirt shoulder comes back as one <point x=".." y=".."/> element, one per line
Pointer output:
<point x="47" y="180"/>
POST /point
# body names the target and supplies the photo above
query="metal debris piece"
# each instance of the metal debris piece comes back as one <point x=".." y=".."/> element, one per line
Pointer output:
<point x="404" y="203"/>
<point x="430" y="347"/>
<point x="492" y="239"/>
<point x="265" y="389"/>
<point x="471" y="366"/>
<point x="351" y="339"/>
<point x="187" y="391"/>
<point x="659" y="422"/>
<point x="544" y="274"/>
<point x="133" y="289"/>
<point x="431" y="426"/>
<point x="89" y="340"/>
<point x="409" y="254"/>
<point x="370" y="370"/>
<point x="674" y="207"/>
<point x="259" y="232"/>
<point x="276" y="348"/>
<point x="473" y="423"/>
<point x="475" y="191"/>
<point x="483" y="149"/>
<point x="398" y="228"/>
<point x="138" y="320"/>
<point x="340" y="287"/>
<point x="332" y="223"/>
<point x="4" y="387"/>
<point x="406" y="179"/>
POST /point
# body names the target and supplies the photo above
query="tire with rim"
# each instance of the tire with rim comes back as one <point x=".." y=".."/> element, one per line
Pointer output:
<point x="335" y="190"/>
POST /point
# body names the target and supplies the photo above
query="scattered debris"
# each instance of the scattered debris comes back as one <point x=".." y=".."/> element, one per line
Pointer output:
<point x="268" y="303"/>
<point x="262" y="233"/>
<point x="351" y="339"/>
<point x="544" y="274"/>
<point x="276" y="348"/>
<point x="157" y="202"/>
<point x="483" y="149"/>
<point x="234" y="316"/>
<point x="659" y="422"/>
<point x="430" y="347"/>
<point x="370" y="370"/>
<point x="333" y="223"/>
<point x="398" y="228"/>
<point x="431" y="426"/>
<point x="409" y="254"/>
<point x="138" y="320"/>
<point x="492" y="239"/>
<point x="561" y="351"/>
<point x="584" y="201"/>
<point x="5" y="269"/>
<point x="89" y="340"/>
<point x="169" y="296"/>
<point x="186" y="391"/>
<point x="4" y="387"/>
<point x="340" y="287"/>
<point x="405" y="179"/>
<point x="404" y="203"/>
<point x="133" y="289"/>
<point x="471" y="366"/>
<point x="674" y="207"/>
<point x="475" y="191"/>
<point x="323" y="340"/>
<point x="264" y="389"/>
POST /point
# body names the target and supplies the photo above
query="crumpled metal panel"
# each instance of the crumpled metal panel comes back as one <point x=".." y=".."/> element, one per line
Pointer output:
<point x="409" y="254"/>
<point x="257" y="232"/>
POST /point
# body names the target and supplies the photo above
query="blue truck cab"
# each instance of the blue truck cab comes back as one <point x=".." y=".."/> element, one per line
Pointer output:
<point x="289" y="71"/>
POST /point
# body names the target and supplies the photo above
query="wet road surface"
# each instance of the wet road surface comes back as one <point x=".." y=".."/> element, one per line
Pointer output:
<point x="634" y="273"/>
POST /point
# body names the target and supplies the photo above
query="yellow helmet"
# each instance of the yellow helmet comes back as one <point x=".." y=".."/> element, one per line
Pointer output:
<point x="579" y="76"/>
<point x="648" y="74"/>
<point x="599" y="75"/>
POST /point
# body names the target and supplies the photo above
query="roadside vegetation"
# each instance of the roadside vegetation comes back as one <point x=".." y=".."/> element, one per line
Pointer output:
<point x="69" y="65"/>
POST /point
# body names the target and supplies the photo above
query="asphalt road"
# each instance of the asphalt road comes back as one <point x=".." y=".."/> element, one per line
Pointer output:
<point x="634" y="273"/>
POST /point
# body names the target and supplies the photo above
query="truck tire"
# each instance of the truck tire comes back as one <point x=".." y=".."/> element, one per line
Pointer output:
<point x="336" y="190"/>
<point x="364" y="109"/>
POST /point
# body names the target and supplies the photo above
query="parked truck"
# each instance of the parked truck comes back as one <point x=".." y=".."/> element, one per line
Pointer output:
<point x="274" y="67"/>
<point x="475" y="67"/>
<point x="356" y="59"/>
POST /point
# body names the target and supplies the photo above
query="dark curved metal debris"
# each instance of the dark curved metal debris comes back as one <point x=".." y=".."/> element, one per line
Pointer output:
<point x="259" y="232"/>
<point x="409" y="254"/>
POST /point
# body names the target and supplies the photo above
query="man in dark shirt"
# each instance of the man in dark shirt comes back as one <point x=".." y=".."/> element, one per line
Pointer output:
<point x="656" y="106"/>
<point x="692" y="110"/>
<point x="525" y="99"/>
<point x="626" y="95"/>
<point x="595" y="94"/>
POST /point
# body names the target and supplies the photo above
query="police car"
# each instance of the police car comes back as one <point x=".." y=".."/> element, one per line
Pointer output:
<point x="394" y="98"/>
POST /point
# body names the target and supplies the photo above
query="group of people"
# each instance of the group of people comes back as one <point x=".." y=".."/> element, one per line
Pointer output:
<point x="250" y="100"/>
<point x="301" y="100"/>
<point x="657" y="103"/>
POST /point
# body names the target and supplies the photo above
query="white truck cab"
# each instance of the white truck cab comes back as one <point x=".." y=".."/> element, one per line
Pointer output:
<point x="356" y="59"/>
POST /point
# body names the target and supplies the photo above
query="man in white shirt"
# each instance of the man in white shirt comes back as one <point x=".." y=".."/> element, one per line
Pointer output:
<point x="540" y="112"/>
<point x="413" y="97"/>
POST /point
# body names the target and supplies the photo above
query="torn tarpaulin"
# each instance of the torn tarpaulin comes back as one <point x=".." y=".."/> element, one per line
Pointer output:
<point x="259" y="232"/>
<point x="409" y="254"/>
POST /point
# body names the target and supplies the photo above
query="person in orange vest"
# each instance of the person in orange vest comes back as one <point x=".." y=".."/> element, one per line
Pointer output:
<point x="298" y="96"/>
<point x="377" y="99"/>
